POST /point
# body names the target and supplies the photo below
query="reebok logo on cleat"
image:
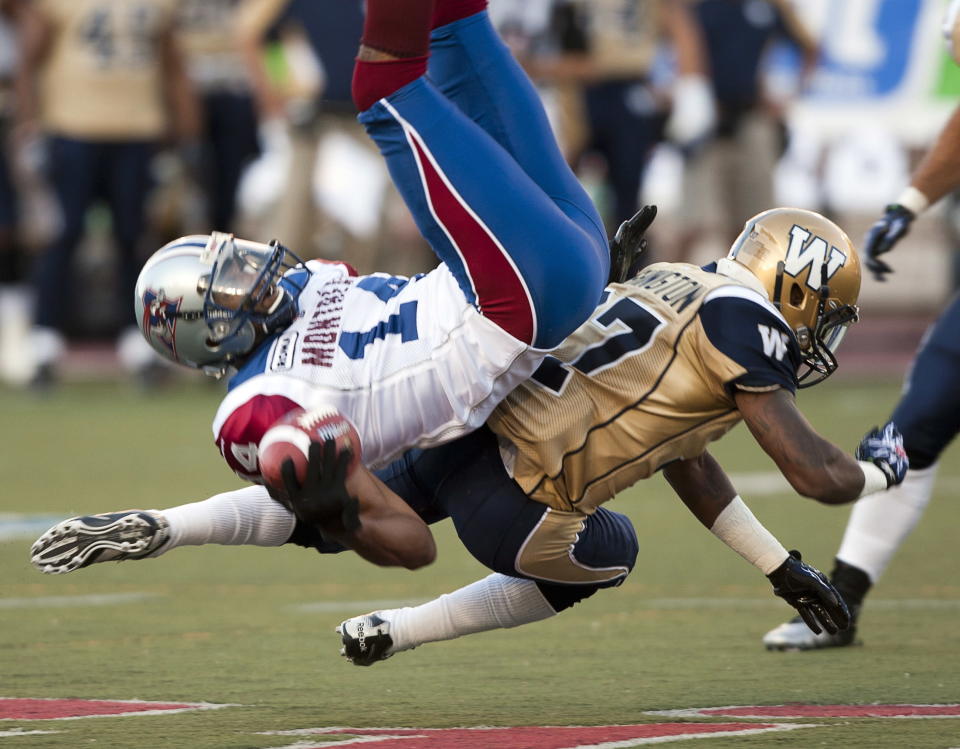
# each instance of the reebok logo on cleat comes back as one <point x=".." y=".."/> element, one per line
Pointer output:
<point x="361" y="638"/>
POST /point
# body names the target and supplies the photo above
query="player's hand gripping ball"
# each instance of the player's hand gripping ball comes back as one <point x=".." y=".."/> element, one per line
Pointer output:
<point x="290" y="438"/>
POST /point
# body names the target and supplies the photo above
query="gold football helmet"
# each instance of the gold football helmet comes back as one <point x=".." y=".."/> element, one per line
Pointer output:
<point x="811" y="272"/>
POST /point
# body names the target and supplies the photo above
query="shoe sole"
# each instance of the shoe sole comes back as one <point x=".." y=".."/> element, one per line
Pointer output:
<point x="80" y="541"/>
<point x="791" y="648"/>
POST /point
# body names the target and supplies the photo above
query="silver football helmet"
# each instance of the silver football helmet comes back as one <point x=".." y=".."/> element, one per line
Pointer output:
<point x="205" y="301"/>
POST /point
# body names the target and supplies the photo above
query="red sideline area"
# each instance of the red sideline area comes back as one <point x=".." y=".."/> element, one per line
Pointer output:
<point x="27" y="708"/>
<point x="530" y="737"/>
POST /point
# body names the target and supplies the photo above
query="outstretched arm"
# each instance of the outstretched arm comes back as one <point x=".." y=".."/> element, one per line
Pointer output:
<point x="939" y="170"/>
<point x="937" y="174"/>
<point x="814" y="466"/>
<point x="708" y="493"/>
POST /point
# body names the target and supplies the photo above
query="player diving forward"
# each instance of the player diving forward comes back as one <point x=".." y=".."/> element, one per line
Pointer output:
<point x="410" y="361"/>
<point x="669" y="361"/>
<point x="928" y="412"/>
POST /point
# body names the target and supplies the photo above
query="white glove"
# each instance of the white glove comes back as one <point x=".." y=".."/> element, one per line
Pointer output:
<point x="265" y="178"/>
<point x="693" y="115"/>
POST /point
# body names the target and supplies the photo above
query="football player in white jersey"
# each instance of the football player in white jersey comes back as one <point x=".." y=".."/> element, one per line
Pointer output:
<point x="671" y="360"/>
<point x="410" y="361"/>
<point x="928" y="413"/>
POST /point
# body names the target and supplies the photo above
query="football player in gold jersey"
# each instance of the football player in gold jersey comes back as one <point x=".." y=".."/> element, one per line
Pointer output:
<point x="671" y="360"/>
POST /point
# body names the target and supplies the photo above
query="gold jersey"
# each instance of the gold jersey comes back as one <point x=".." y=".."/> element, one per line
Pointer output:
<point x="103" y="78"/>
<point x="622" y="34"/>
<point x="207" y="31"/>
<point x="647" y="380"/>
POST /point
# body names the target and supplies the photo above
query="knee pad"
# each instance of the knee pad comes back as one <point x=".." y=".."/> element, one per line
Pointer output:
<point x="562" y="597"/>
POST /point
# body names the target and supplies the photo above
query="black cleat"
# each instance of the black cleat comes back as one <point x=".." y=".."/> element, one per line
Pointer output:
<point x="366" y="639"/>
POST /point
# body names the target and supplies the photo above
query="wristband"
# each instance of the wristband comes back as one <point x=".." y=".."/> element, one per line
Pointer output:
<point x="913" y="200"/>
<point x="737" y="527"/>
<point x="874" y="479"/>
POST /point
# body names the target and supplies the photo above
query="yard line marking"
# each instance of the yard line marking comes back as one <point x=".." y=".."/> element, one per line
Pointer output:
<point x="778" y="712"/>
<point x="14" y="525"/>
<point x="889" y="604"/>
<point x="763" y="483"/>
<point x="91" y="599"/>
<point x="657" y="604"/>
<point x="532" y="737"/>
<point x="372" y="605"/>
<point x="21" y="732"/>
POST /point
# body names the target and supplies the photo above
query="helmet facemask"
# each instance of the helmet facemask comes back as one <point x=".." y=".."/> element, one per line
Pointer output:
<point x="831" y="319"/>
<point x="243" y="298"/>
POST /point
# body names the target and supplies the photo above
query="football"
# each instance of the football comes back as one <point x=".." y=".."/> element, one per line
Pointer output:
<point x="290" y="437"/>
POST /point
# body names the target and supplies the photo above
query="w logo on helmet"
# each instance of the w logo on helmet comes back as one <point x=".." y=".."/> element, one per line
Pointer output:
<point x="809" y="251"/>
<point x="160" y="319"/>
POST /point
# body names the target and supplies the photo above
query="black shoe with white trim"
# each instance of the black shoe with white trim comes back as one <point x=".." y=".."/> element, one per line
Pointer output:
<point x="366" y="639"/>
<point x="112" y="536"/>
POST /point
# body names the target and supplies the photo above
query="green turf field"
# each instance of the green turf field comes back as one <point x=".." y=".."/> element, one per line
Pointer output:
<point x="254" y="627"/>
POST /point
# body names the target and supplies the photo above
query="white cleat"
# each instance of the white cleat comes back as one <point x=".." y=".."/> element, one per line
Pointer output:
<point x="112" y="536"/>
<point x="796" y="635"/>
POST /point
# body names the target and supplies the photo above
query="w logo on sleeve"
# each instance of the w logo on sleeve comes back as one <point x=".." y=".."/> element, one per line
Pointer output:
<point x="775" y="342"/>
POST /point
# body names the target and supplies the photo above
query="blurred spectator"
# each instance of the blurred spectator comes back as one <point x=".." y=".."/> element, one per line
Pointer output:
<point x="104" y="82"/>
<point x="307" y="115"/>
<point x="621" y="113"/>
<point x="9" y="252"/>
<point x="13" y="297"/>
<point x="207" y="31"/>
<point x="730" y="178"/>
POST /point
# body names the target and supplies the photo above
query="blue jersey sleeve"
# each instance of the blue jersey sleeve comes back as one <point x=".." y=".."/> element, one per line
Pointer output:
<point x="752" y="334"/>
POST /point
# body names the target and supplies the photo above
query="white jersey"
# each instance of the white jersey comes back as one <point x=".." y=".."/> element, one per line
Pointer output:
<point x="408" y="360"/>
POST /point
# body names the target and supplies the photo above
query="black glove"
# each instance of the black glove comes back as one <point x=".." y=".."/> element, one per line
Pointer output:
<point x="883" y="235"/>
<point x="807" y="589"/>
<point x="884" y="448"/>
<point x="323" y="497"/>
<point x="628" y="243"/>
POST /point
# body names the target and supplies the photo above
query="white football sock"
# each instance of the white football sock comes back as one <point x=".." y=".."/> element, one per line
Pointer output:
<point x="880" y="522"/>
<point x="495" y="602"/>
<point x="243" y="516"/>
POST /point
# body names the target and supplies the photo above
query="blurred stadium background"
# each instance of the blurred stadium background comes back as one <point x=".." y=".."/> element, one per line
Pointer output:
<point x="882" y="87"/>
<point x="222" y="625"/>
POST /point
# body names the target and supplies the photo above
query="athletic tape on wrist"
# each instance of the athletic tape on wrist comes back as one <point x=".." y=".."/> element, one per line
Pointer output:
<point x="737" y="527"/>
<point x="913" y="200"/>
<point x="874" y="479"/>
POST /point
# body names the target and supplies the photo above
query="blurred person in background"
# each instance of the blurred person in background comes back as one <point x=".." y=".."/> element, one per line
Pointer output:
<point x="928" y="413"/>
<point x="11" y="257"/>
<point x="299" y="55"/>
<point x="731" y="174"/>
<point x="104" y="82"/>
<point x="607" y="48"/>
<point x="206" y="31"/>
